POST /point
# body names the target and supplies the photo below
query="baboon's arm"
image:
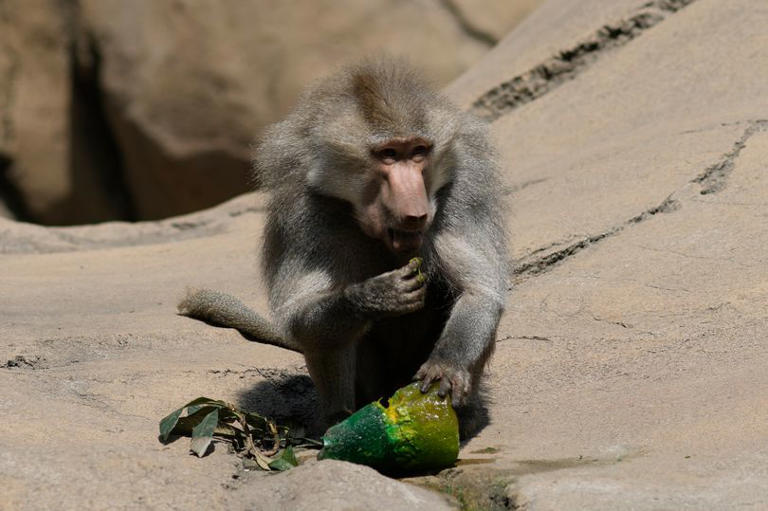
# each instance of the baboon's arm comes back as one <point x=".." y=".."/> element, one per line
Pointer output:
<point x="477" y="273"/>
<point x="334" y="318"/>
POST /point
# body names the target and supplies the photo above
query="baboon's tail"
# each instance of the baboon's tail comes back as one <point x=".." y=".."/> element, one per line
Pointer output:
<point x="221" y="309"/>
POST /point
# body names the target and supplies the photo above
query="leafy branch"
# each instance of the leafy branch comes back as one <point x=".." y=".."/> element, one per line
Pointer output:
<point x="250" y="434"/>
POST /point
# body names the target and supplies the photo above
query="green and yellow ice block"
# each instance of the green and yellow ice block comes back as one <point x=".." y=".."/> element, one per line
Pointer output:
<point x="416" y="432"/>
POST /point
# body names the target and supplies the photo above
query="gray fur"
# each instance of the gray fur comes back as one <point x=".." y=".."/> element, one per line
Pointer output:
<point x="225" y="310"/>
<point x="364" y="321"/>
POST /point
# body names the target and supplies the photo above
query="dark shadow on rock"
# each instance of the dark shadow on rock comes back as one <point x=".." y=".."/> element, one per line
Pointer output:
<point x="289" y="397"/>
<point x="9" y="194"/>
<point x="100" y="190"/>
<point x="473" y="417"/>
<point x="170" y="439"/>
<point x="286" y="395"/>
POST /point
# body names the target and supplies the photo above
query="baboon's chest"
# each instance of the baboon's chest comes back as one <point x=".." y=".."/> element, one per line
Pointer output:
<point x="394" y="349"/>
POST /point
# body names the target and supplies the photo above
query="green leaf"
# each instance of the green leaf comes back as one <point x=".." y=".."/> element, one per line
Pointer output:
<point x="286" y="460"/>
<point x="185" y="425"/>
<point x="227" y="414"/>
<point x="202" y="434"/>
<point x="256" y="421"/>
<point x="207" y="419"/>
<point x="191" y="410"/>
<point x="169" y="422"/>
<point x="197" y="404"/>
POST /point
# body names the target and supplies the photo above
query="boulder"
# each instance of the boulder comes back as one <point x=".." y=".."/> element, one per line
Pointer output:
<point x="57" y="164"/>
<point x="34" y="102"/>
<point x="188" y="87"/>
<point x="630" y="355"/>
<point x="115" y="110"/>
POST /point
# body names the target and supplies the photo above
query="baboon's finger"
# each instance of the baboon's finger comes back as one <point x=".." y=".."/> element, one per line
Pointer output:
<point x="426" y="383"/>
<point x="445" y="387"/>
<point x="412" y="268"/>
<point x="413" y="283"/>
<point x="416" y="296"/>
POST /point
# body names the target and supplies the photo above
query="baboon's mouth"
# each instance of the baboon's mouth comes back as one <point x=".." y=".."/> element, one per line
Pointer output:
<point x="405" y="242"/>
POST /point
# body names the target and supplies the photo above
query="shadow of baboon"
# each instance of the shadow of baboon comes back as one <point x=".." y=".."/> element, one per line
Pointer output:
<point x="474" y="416"/>
<point x="287" y="396"/>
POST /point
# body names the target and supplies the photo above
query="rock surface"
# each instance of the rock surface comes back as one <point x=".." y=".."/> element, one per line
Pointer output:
<point x="114" y="110"/>
<point x="630" y="364"/>
<point x="56" y="164"/>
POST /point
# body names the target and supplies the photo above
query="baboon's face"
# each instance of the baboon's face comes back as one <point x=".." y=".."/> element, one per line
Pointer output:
<point x="395" y="205"/>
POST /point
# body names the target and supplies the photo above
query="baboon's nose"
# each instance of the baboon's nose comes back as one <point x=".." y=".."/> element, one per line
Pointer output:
<point x="414" y="222"/>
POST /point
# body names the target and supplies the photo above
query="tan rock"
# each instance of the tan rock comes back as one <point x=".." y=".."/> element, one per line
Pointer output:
<point x="629" y="355"/>
<point x="155" y="111"/>
<point x="495" y="19"/>
<point x="189" y="85"/>
<point x="534" y="42"/>
<point x="53" y="162"/>
<point x="335" y="485"/>
<point x="34" y="100"/>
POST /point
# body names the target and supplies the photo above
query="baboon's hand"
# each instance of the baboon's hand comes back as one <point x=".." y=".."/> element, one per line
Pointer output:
<point x="393" y="293"/>
<point x="453" y="379"/>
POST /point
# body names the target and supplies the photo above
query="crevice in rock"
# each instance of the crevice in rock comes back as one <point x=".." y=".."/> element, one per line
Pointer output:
<point x="712" y="180"/>
<point x="10" y="195"/>
<point x="715" y="177"/>
<point x="571" y="62"/>
<point x="23" y="362"/>
<point x="529" y="266"/>
<point x="512" y="189"/>
<point x="467" y="26"/>
<point x="622" y="324"/>
<point x="524" y="338"/>
<point x="95" y="152"/>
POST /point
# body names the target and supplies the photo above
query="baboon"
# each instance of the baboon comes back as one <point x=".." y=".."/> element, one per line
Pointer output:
<point x="371" y="170"/>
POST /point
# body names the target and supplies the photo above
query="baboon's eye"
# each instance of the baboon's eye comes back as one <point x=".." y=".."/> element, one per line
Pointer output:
<point x="388" y="155"/>
<point x="419" y="152"/>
